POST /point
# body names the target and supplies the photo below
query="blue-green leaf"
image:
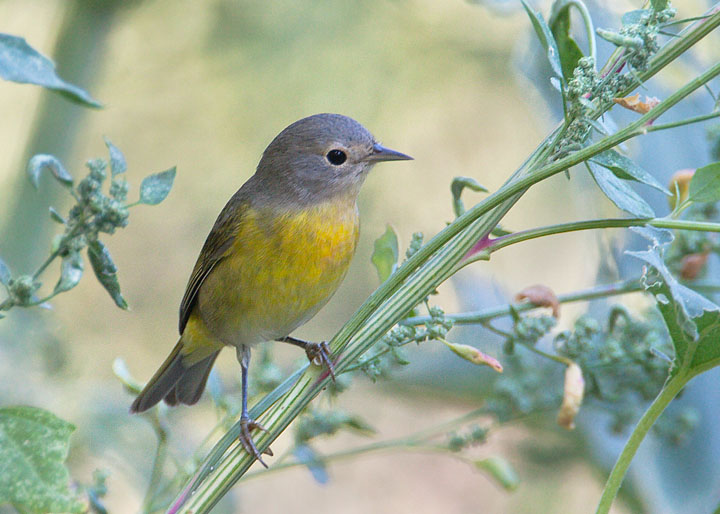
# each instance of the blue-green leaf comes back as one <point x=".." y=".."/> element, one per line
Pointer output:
<point x="155" y="188"/>
<point x="106" y="271"/>
<point x="705" y="184"/>
<point x="625" y="168"/>
<point x="117" y="159"/>
<point x="692" y="320"/>
<point x="385" y="255"/>
<point x="306" y="455"/>
<point x="19" y="62"/>
<point x="634" y="17"/>
<point x="33" y="448"/>
<point x="619" y="193"/>
<point x="546" y="39"/>
<point x="5" y="274"/>
<point x="56" y="216"/>
<point x="71" y="271"/>
<point x="456" y="188"/>
<point x="41" y="162"/>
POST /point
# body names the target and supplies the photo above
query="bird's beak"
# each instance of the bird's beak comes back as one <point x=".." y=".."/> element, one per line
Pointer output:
<point x="380" y="153"/>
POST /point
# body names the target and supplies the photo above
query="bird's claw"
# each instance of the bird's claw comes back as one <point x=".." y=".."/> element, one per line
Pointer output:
<point x="247" y="425"/>
<point x="319" y="354"/>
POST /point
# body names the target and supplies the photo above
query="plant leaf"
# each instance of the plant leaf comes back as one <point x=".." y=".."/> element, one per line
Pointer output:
<point x="619" y="193"/>
<point x="40" y="162"/>
<point x="456" y="188"/>
<point x="71" y="272"/>
<point x="705" y="184"/>
<point x="19" y="62"/>
<point x="385" y="254"/>
<point x="546" y="39"/>
<point x="634" y="17"/>
<point x="5" y="274"/>
<point x="500" y="470"/>
<point x="56" y="216"/>
<point x="106" y="271"/>
<point x="117" y="159"/>
<point x="472" y="354"/>
<point x="569" y="50"/>
<point x="692" y="320"/>
<point x="155" y="188"/>
<point x="33" y="449"/>
<point x="306" y="455"/>
<point x="659" y="5"/>
<point x="625" y="168"/>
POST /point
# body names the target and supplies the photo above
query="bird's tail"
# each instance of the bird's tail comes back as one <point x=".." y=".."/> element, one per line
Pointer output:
<point x="175" y="382"/>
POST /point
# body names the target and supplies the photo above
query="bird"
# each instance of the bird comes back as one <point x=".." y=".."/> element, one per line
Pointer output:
<point x="277" y="252"/>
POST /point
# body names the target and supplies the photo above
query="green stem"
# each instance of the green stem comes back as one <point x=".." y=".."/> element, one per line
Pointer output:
<point x="589" y="28"/>
<point x="158" y="464"/>
<point x="45" y="264"/>
<point x="526" y="235"/>
<point x="687" y="121"/>
<point x="618" y="288"/>
<point x="671" y="389"/>
<point x="414" y="441"/>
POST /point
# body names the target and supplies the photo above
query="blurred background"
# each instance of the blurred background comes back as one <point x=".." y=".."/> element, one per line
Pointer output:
<point x="205" y="86"/>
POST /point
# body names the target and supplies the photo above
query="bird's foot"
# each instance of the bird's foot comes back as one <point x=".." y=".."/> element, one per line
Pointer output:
<point x="319" y="354"/>
<point x="247" y="425"/>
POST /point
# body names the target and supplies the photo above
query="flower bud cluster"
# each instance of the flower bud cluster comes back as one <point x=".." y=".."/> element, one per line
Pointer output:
<point x="645" y="31"/>
<point x="22" y="289"/>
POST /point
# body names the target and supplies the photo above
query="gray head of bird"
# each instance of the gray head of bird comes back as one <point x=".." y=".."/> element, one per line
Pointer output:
<point x="321" y="156"/>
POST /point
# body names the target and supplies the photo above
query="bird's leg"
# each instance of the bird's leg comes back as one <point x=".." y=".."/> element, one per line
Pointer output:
<point x="247" y="425"/>
<point x="318" y="353"/>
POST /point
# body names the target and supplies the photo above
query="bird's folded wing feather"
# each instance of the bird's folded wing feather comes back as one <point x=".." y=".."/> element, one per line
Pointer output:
<point x="221" y="237"/>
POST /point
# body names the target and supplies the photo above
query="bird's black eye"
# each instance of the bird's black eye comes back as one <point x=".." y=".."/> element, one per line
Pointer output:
<point x="336" y="157"/>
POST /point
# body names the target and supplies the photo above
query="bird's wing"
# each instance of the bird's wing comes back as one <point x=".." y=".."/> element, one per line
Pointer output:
<point x="221" y="237"/>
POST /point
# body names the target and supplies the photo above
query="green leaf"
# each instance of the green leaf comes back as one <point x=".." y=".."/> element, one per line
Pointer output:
<point x="19" y="62"/>
<point x="625" y="168"/>
<point x="634" y="17"/>
<point x="692" y="320"/>
<point x="117" y="159"/>
<point x="33" y="449"/>
<point x="659" y="5"/>
<point x="385" y="255"/>
<point x="40" y="162"/>
<point x="500" y="470"/>
<point x="155" y="188"/>
<point x="56" y="216"/>
<point x="456" y="188"/>
<point x="546" y="39"/>
<point x="106" y="271"/>
<point x="570" y="52"/>
<point x="5" y="274"/>
<point x="619" y="193"/>
<point x="71" y="272"/>
<point x="705" y="184"/>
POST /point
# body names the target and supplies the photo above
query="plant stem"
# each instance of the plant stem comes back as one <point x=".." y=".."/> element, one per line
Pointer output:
<point x="671" y="389"/>
<point x="589" y="28"/>
<point x="526" y="235"/>
<point x="416" y="441"/>
<point x="680" y="123"/>
<point x="160" y="456"/>
<point x="618" y="288"/>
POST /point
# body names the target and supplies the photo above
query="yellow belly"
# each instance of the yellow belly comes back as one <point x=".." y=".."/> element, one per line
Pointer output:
<point x="279" y="272"/>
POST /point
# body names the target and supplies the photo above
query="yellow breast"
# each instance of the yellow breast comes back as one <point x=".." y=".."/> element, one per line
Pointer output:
<point x="281" y="269"/>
